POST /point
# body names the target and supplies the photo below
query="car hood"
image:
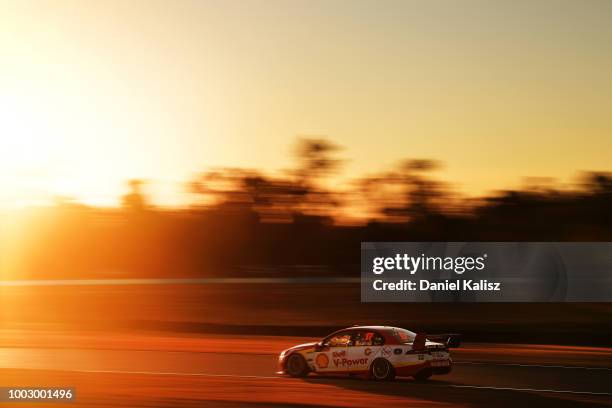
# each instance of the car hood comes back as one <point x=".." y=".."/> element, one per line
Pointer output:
<point x="300" y="347"/>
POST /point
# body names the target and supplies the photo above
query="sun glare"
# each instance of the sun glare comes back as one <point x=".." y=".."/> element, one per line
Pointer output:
<point x="40" y="150"/>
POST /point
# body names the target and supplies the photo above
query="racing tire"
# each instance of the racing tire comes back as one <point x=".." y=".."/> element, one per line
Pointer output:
<point x="381" y="370"/>
<point x="296" y="366"/>
<point x="423" y="375"/>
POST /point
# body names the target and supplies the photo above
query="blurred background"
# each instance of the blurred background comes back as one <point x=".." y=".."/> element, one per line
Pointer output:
<point x="212" y="167"/>
<point x="263" y="254"/>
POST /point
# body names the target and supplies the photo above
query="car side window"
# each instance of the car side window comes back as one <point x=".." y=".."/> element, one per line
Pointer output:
<point x="378" y="340"/>
<point x="362" y="339"/>
<point x="367" y="338"/>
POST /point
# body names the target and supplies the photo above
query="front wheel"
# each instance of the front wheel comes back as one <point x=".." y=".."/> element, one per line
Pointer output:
<point x="382" y="370"/>
<point x="296" y="366"/>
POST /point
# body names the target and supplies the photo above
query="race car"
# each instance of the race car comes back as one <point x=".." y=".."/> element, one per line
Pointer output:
<point x="376" y="352"/>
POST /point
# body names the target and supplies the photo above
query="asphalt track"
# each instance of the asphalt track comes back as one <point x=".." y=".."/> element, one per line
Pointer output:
<point x="154" y="371"/>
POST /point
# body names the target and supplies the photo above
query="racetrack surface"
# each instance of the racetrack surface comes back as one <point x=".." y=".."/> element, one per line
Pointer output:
<point x="227" y="371"/>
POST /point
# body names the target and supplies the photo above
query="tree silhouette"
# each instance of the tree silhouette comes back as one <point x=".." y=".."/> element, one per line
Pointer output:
<point x="315" y="159"/>
<point x="406" y="193"/>
<point x="281" y="198"/>
<point x="135" y="200"/>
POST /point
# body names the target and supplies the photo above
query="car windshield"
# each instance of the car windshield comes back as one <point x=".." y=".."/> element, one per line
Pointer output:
<point x="338" y="340"/>
<point x="404" y="336"/>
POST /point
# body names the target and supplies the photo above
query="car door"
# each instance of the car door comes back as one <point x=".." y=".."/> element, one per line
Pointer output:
<point x="364" y="347"/>
<point x="333" y="353"/>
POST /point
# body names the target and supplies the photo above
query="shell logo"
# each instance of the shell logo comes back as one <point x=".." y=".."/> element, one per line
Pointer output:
<point x="322" y="360"/>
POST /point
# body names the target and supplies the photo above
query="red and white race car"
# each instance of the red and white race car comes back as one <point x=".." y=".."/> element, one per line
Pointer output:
<point x="377" y="352"/>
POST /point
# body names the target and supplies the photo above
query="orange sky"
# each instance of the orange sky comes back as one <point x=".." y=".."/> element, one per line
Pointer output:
<point x="95" y="92"/>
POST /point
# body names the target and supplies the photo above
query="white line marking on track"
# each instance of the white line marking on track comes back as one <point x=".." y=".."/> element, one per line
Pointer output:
<point x="172" y="373"/>
<point x="528" y="389"/>
<point x="279" y="377"/>
<point x="532" y="365"/>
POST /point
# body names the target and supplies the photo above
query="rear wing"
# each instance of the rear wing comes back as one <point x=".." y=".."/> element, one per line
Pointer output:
<point x="450" y="340"/>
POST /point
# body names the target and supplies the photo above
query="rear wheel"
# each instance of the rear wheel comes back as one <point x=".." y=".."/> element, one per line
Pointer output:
<point x="296" y="366"/>
<point x="381" y="370"/>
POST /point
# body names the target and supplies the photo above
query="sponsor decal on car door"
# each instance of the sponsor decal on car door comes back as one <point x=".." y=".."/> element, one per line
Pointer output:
<point x="344" y="359"/>
<point x="358" y="358"/>
<point x="329" y="360"/>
